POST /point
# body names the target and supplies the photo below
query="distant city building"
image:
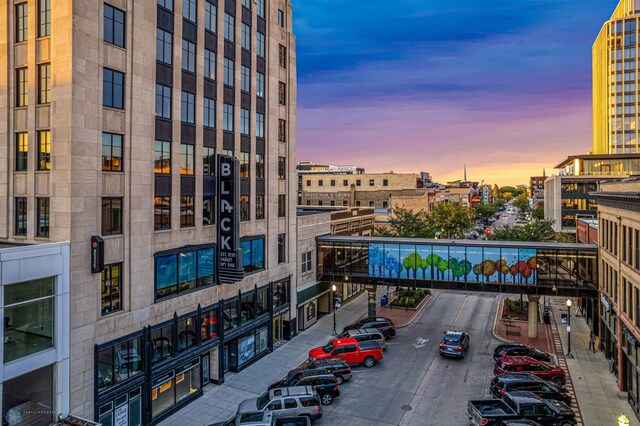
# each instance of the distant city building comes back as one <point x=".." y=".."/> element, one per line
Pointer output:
<point x="536" y="190"/>
<point x="587" y="231"/>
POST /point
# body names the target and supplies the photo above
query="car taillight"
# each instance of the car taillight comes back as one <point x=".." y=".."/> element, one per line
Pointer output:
<point x="502" y="391"/>
<point x="335" y="388"/>
<point x="319" y="409"/>
<point x="458" y="348"/>
<point x="442" y="345"/>
<point x="484" y="421"/>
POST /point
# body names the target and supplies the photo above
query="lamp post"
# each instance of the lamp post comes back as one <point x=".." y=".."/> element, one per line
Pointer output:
<point x="569" y="355"/>
<point x="333" y="293"/>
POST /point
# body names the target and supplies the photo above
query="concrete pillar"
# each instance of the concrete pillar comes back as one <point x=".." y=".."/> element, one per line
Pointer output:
<point x="371" y="299"/>
<point x="533" y="316"/>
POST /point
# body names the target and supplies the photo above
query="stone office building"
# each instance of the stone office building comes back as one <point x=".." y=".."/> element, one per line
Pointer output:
<point x="114" y="114"/>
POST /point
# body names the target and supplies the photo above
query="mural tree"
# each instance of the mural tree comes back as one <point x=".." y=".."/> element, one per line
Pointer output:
<point x="442" y="266"/>
<point x="477" y="270"/>
<point x="457" y="271"/>
<point x="532" y="263"/>
<point x="467" y="268"/>
<point x="376" y="259"/>
<point x="488" y="268"/>
<point x="431" y="261"/>
<point x="412" y="263"/>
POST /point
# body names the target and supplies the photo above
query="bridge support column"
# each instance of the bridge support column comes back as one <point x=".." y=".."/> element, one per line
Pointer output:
<point x="371" y="300"/>
<point x="533" y="316"/>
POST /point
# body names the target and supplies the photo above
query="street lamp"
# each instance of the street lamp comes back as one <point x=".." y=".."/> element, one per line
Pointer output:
<point x="569" y="355"/>
<point x="333" y="289"/>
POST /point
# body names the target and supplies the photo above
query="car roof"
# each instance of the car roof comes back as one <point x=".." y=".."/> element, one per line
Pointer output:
<point x="519" y="360"/>
<point x="454" y="333"/>
<point x="265" y="417"/>
<point x="508" y="346"/>
<point x="322" y="376"/>
<point x="519" y="377"/>
<point x="365" y="331"/>
<point x="344" y="341"/>
<point x="525" y="397"/>
<point x="291" y="391"/>
<point x="376" y="319"/>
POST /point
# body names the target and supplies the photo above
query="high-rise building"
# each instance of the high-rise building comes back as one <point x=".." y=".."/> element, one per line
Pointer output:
<point x="615" y="82"/>
<point x="113" y="114"/>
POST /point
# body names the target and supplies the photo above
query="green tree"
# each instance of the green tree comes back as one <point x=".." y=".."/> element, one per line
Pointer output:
<point x="498" y="202"/>
<point x="484" y="211"/>
<point x="522" y="202"/>
<point x="453" y="220"/>
<point x="535" y="231"/>
<point x="507" y="195"/>
<point x="538" y="213"/>
<point x="412" y="262"/>
<point x="495" y="191"/>
<point x="405" y="223"/>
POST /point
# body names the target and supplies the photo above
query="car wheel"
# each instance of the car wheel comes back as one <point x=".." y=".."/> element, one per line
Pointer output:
<point x="340" y="380"/>
<point x="369" y="362"/>
<point x="326" y="399"/>
<point x="567" y="424"/>
<point x="558" y="381"/>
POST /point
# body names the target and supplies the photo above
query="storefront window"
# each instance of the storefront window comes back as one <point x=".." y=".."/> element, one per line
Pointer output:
<point x="161" y="345"/>
<point x="30" y="395"/>
<point x="28" y="318"/>
<point x="230" y="315"/>
<point x="209" y="326"/>
<point x="162" y="394"/>
<point x="246" y="349"/>
<point x="246" y="309"/>
<point x="120" y="362"/>
<point x="187" y="379"/>
<point x="280" y="294"/>
<point x="262" y="340"/>
<point x="262" y="305"/>
<point x="184" y="271"/>
<point x="186" y="333"/>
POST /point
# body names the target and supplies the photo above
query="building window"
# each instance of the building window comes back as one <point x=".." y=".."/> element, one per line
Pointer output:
<point x="111" y="152"/>
<point x="358" y="203"/>
<point x="111" y="288"/>
<point x="261" y="8"/>
<point x="20" y="217"/>
<point x="244" y="208"/>
<point x="244" y="164"/>
<point x="44" y="83"/>
<point x="372" y="182"/>
<point x="22" y="87"/>
<point x="227" y="152"/>
<point x="22" y="151"/>
<point x="29" y="319"/>
<point x="246" y="4"/>
<point x="282" y="168"/>
<point x="42" y="217"/>
<point x="208" y="211"/>
<point x="260" y="44"/>
<point x="229" y="27"/>
<point x="209" y="116"/>
<point x="187" y="108"/>
<point x="371" y="203"/>
<point x="282" y="130"/>
<point x="282" y="254"/>
<point x="208" y="160"/>
<point x="345" y="182"/>
<point x="282" y="205"/>
<point x="167" y="4"/>
<point x="183" y="271"/>
<point x="189" y="10"/>
<point x="111" y="216"/>
<point x="259" y="125"/>
<point x="188" y="56"/>
<point x="320" y="182"/>
<point x="209" y="64"/>
<point x="164" y="46"/>
<point x="162" y="159"/>
<point x="252" y="253"/>
<point x="282" y="93"/>
<point x="186" y="159"/>
<point x="306" y="262"/>
<point x="187" y="212"/>
<point x="245" y="79"/>
<point x="113" y="89"/>
<point x="227" y="118"/>
<point x="280" y="18"/>
<point x="345" y="203"/>
<point x="163" y="101"/>
<point x="319" y="202"/>
<point x="244" y="121"/>
<point x="282" y="55"/>
<point x="210" y="17"/>
<point x="114" y="27"/>
<point x="385" y="182"/>
<point x="246" y="37"/>
<point x="44" y="150"/>
<point x="358" y="182"/>
<point x="228" y="77"/>
<point x="385" y="204"/>
<point x="22" y="22"/>
<point x="260" y="166"/>
<point x="260" y="84"/>
<point x="333" y="182"/>
<point x="161" y="213"/>
<point x="259" y="206"/>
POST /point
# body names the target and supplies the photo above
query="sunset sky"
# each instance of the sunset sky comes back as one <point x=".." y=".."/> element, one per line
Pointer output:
<point x="428" y="85"/>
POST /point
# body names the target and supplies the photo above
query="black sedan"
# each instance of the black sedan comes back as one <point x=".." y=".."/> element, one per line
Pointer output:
<point x="503" y="383"/>
<point x="516" y="349"/>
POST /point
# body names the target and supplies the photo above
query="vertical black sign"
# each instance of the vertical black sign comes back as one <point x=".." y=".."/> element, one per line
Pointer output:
<point x="229" y="254"/>
<point x="97" y="254"/>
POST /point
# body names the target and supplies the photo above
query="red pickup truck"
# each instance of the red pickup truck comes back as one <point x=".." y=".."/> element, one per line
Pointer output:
<point x="352" y="351"/>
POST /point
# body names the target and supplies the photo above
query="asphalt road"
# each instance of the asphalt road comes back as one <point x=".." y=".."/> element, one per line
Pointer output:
<point x="413" y="385"/>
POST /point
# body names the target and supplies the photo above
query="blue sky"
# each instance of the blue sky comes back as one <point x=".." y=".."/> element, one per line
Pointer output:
<point x="427" y="85"/>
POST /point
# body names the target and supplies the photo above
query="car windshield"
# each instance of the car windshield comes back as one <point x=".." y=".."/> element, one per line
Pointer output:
<point x="452" y="338"/>
<point x="230" y="422"/>
<point x="328" y="348"/>
<point x="263" y="400"/>
<point x="343" y="334"/>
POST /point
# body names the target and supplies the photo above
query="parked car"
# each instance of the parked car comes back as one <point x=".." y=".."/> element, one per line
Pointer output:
<point x="325" y="384"/>
<point x="366" y="335"/>
<point x="353" y="352"/>
<point x="385" y="325"/>
<point x="293" y="421"/>
<point x="504" y="383"/>
<point x="336" y="366"/>
<point x="520" y="405"/>
<point x="520" y="422"/>
<point x="454" y="343"/>
<point x="517" y="349"/>
<point x="253" y="418"/>
<point x="286" y="402"/>
<point x="525" y="364"/>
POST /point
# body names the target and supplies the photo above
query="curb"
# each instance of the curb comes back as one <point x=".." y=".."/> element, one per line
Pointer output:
<point x="495" y="322"/>
<point x="428" y="300"/>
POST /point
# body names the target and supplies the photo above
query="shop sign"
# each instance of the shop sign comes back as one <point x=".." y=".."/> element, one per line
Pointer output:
<point x="629" y="336"/>
<point x="229" y="253"/>
<point x="121" y="416"/>
<point x="605" y="302"/>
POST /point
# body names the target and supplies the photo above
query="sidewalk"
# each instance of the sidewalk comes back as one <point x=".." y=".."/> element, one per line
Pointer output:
<point x="219" y="403"/>
<point x="595" y="389"/>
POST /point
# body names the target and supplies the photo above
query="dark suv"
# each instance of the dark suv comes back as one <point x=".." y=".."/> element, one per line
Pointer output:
<point x="385" y="325"/>
<point x="515" y="349"/>
<point x="454" y="343"/>
<point x="336" y="366"/>
<point x="503" y="383"/>
<point x="325" y="384"/>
